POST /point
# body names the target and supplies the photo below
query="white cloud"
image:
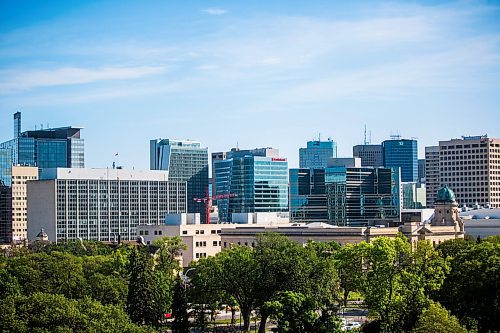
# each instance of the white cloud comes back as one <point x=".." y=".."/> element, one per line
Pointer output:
<point x="13" y="80"/>
<point x="214" y="11"/>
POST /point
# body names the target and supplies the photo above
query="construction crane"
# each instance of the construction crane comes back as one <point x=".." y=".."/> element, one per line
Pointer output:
<point x="208" y="199"/>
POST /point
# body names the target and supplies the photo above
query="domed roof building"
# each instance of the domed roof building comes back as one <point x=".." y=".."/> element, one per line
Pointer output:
<point x="445" y="194"/>
<point x="446" y="210"/>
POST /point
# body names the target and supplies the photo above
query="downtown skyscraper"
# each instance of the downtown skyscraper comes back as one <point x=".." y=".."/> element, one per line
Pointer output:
<point x="185" y="161"/>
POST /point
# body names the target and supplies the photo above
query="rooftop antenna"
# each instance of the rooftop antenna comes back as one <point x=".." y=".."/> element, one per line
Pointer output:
<point x="41" y="126"/>
<point x="319" y="136"/>
<point x="365" y="142"/>
<point x="370" y="137"/>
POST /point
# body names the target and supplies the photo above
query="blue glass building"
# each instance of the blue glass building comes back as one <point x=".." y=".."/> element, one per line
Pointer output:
<point x="185" y="161"/>
<point x="403" y="154"/>
<point x="5" y="166"/>
<point x="258" y="178"/>
<point x="344" y="196"/>
<point x="317" y="153"/>
<point x="45" y="148"/>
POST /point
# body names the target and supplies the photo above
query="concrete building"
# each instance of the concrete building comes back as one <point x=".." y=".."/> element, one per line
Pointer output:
<point x="202" y="240"/>
<point x="185" y="161"/>
<point x="20" y="176"/>
<point x="317" y="153"/>
<point x="471" y="167"/>
<point x="258" y="179"/>
<point x="371" y="155"/>
<point x="100" y="204"/>
<point x="432" y="181"/>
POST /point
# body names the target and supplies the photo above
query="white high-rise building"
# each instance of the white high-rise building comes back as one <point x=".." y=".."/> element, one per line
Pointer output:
<point x="100" y="204"/>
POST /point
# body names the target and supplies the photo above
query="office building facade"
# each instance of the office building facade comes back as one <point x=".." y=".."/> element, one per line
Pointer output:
<point x="100" y="204"/>
<point x="362" y="195"/>
<point x="46" y="148"/>
<point x="317" y="153"/>
<point x="403" y="154"/>
<point x="432" y="182"/>
<point x="5" y="166"/>
<point x="185" y="161"/>
<point x="257" y="178"/>
<point x="344" y="196"/>
<point x="20" y="176"/>
<point x="308" y="201"/>
<point x="470" y="166"/>
<point x="371" y="155"/>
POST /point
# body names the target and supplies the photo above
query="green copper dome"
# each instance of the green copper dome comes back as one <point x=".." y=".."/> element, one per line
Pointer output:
<point x="445" y="195"/>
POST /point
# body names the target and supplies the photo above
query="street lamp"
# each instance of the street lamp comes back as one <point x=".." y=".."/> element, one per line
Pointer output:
<point x="184" y="276"/>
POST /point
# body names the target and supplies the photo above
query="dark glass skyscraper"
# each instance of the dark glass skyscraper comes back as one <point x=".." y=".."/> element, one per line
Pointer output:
<point x="344" y="195"/>
<point x="402" y="153"/>
<point x="185" y="161"/>
<point x="258" y="178"/>
<point x="317" y="153"/>
<point x="308" y="201"/>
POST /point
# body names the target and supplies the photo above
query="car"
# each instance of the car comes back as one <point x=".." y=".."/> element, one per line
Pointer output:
<point x="352" y="325"/>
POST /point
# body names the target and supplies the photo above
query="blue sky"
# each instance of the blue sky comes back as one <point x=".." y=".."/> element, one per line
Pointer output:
<point x="252" y="73"/>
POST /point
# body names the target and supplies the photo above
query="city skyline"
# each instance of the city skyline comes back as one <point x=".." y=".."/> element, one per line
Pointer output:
<point x="226" y="73"/>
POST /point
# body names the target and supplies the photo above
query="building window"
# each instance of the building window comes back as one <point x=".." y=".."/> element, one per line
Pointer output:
<point x="184" y="232"/>
<point x="214" y="243"/>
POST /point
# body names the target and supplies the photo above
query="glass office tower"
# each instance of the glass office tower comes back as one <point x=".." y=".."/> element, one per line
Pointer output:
<point x="308" y="201"/>
<point x="344" y="196"/>
<point x="357" y="196"/>
<point x="258" y="178"/>
<point x="317" y="153"/>
<point x="402" y="153"/>
<point x="46" y="148"/>
<point x="5" y="166"/>
<point x="185" y="161"/>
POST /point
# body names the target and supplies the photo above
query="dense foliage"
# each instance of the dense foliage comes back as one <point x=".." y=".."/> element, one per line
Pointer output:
<point x="92" y="287"/>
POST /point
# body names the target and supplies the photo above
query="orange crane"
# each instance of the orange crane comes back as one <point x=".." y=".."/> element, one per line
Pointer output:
<point x="208" y="199"/>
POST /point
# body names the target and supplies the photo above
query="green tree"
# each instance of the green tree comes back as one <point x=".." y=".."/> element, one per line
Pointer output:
<point x="234" y="273"/>
<point x="286" y="265"/>
<point x="398" y="281"/>
<point x="9" y="286"/>
<point x="180" y="308"/>
<point x="349" y="263"/>
<point x="471" y="291"/>
<point x="169" y="250"/>
<point x="144" y="297"/>
<point x="46" y="313"/>
<point x="437" y="319"/>
<point x="293" y="311"/>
